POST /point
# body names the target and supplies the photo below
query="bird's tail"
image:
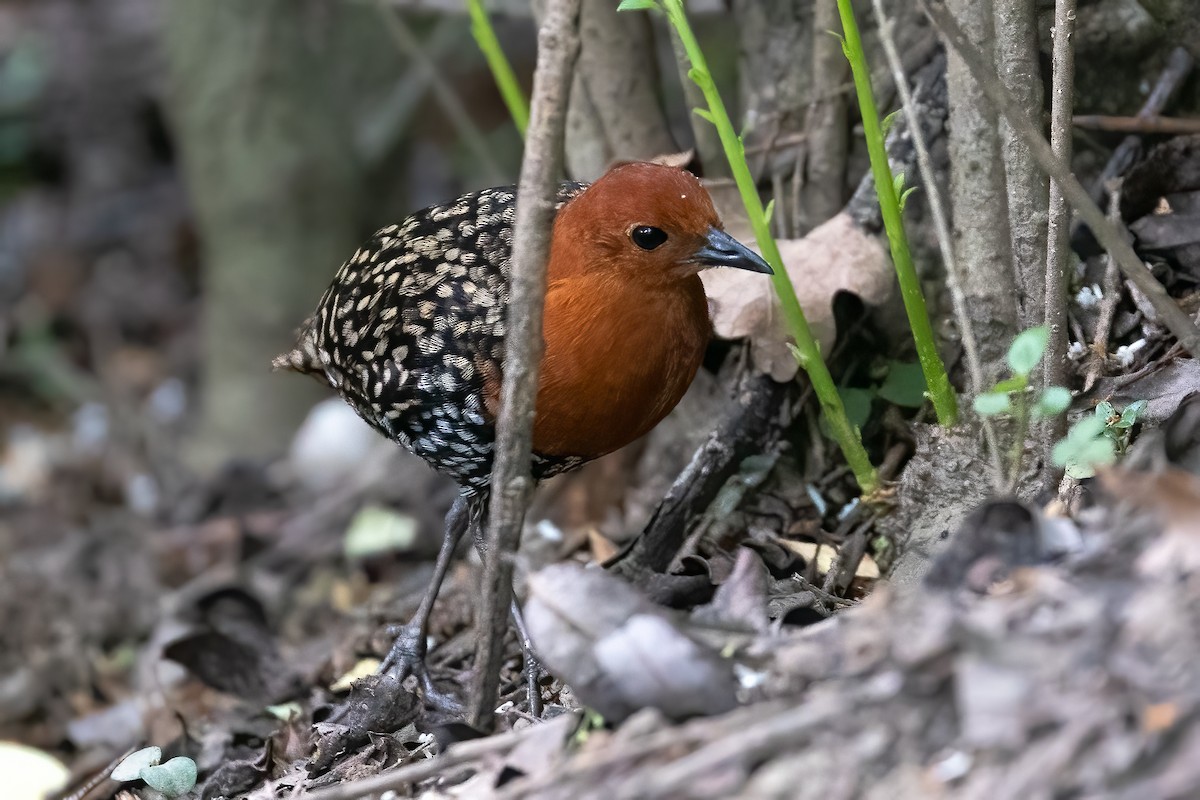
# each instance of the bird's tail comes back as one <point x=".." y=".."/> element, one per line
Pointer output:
<point x="302" y="358"/>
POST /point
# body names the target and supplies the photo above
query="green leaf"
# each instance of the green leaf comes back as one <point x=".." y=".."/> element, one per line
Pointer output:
<point x="888" y="122"/>
<point x="704" y="114"/>
<point x="904" y="385"/>
<point x="1085" y="448"/>
<point x="700" y="77"/>
<point x="174" y="778"/>
<point x="856" y="402"/>
<point x="637" y="5"/>
<point x="1016" y="383"/>
<point x="898" y="183"/>
<point x="1052" y="402"/>
<point x="904" y="195"/>
<point x="992" y="403"/>
<point x="769" y="211"/>
<point x="1105" y="411"/>
<point x="1131" y="413"/>
<point x="132" y="765"/>
<point x="1027" y="349"/>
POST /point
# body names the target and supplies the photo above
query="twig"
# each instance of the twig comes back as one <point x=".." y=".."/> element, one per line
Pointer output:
<point x="1178" y="67"/>
<point x="941" y="226"/>
<point x="445" y="95"/>
<point x="1058" y="238"/>
<point x="1138" y="124"/>
<point x="1108" y="306"/>
<point x="791" y="726"/>
<point x="388" y="121"/>
<point x="1111" y="237"/>
<point x="459" y="753"/>
<point x="558" y="46"/>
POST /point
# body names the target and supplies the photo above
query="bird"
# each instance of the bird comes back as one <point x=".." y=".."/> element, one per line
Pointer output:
<point x="411" y="334"/>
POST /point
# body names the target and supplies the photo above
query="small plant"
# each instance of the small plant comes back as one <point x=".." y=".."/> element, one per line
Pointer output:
<point x="1012" y="396"/>
<point x="892" y="195"/>
<point x="897" y="382"/>
<point x="1118" y="425"/>
<point x="172" y="779"/>
<point x="1097" y="440"/>
<point x="502" y="72"/>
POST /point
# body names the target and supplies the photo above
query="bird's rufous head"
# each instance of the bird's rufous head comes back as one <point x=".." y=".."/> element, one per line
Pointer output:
<point x="647" y="222"/>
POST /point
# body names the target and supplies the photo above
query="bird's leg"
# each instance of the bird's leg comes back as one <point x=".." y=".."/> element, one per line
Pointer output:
<point x="533" y="667"/>
<point x="407" y="656"/>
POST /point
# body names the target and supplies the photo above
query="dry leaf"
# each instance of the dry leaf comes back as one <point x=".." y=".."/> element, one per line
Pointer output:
<point x="824" y="555"/>
<point x="624" y="653"/>
<point x="837" y="256"/>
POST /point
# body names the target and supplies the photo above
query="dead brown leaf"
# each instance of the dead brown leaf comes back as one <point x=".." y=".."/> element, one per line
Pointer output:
<point x="837" y="256"/>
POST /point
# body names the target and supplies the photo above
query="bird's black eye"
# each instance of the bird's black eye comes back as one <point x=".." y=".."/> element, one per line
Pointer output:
<point x="646" y="237"/>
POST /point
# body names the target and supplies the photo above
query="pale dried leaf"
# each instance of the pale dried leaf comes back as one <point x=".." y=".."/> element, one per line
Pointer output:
<point x="825" y="554"/>
<point x="838" y="256"/>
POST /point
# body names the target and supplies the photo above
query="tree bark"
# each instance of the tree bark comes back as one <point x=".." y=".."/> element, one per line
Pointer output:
<point x="978" y="195"/>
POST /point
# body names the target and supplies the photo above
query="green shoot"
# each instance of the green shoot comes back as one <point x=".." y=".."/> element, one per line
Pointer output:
<point x="506" y="80"/>
<point x="892" y="195"/>
<point x="1085" y="449"/>
<point x="1096" y="441"/>
<point x="807" y="350"/>
<point x="1011" y="396"/>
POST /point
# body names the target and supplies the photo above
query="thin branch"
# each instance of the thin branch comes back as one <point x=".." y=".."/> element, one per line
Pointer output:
<point x="941" y="226"/>
<point x="1112" y="237"/>
<point x="1175" y="72"/>
<point x="394" y="779"/>
<point x="707" y="141"/>
<point x="388" y="121"/>
<point x="1058" y="233"/>
<point x="447" y="98"/>
<point x="558" y="46"/>
<point x="1145" y="125"/>
<point x="1108" y="305"/>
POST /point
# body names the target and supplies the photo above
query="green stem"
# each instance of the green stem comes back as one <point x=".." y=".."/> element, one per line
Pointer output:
<point x="1017" y="451"/>
<point x="506" y="80"/>
<point x="808" y="352"/>
<point x="940" y="390"/>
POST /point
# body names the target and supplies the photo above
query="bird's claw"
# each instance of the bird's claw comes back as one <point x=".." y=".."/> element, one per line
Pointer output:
<point x="407" y="657"/>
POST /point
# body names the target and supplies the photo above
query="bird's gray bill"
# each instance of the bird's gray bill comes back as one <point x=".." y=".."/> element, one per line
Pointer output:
<point x="722" y="250"/>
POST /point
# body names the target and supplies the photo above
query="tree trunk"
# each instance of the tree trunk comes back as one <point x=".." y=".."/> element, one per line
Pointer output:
<point x="270" y="167"/>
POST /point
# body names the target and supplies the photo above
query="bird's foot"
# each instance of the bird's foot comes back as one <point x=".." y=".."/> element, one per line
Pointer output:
<point x="407" y="657"/>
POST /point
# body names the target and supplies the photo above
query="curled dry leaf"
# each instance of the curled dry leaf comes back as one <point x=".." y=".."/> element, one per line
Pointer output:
<point x="837" y="256"/>
<point x="624" y="653"/>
